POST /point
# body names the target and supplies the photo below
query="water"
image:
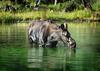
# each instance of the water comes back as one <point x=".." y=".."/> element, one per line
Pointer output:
<point x="15" y="54"/>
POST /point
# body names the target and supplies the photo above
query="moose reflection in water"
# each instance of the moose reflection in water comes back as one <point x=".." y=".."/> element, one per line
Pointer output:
<point x="45" y="33"/>
<point x="50" y="58"/>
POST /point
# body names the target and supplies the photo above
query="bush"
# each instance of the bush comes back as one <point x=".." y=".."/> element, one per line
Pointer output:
<point x="96" y="5"/>
<point x="58" y="7"/>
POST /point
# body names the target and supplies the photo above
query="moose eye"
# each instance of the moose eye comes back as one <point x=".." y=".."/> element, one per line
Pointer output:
<point x="66" y="34"/>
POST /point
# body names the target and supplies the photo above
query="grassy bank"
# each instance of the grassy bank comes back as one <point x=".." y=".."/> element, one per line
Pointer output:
<point x="16" y="11"/>
<point x="7" y="17"/>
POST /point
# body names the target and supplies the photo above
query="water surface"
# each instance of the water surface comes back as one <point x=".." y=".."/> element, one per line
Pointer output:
<point x="16" y="55"/>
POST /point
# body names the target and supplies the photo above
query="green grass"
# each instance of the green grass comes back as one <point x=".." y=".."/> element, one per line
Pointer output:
<point x="58" y="7"/>
<point x="53" y="12"/>
<point x="13" y="17"/>
<point x="70" y="15"/>
<point x="8" y="17"/>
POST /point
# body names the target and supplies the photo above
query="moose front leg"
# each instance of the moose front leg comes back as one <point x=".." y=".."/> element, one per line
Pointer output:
<point x="41" y="41"/>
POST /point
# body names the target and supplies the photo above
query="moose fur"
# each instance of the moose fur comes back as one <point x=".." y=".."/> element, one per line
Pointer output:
<point x="46" y="33"/>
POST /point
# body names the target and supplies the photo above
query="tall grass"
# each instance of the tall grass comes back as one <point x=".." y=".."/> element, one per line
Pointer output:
<point x="10" y="17"/>
<point x="70" y="15"/>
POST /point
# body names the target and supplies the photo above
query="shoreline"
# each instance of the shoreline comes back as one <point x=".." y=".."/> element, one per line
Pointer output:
<point x="75" y="16"/>
<point x="55" y="20"/>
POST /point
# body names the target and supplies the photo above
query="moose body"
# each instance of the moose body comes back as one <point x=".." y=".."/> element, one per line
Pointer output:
<point x="45" y="33"/>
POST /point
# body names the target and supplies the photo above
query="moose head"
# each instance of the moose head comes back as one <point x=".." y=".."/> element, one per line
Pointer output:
<point x="66" y="36"/>
<point x="61" y="34"/>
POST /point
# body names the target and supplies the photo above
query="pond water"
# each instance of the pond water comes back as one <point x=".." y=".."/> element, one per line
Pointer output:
<point x="16" y="55"/>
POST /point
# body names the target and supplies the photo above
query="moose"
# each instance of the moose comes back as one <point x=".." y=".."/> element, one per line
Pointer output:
<point x="45" y="33"/>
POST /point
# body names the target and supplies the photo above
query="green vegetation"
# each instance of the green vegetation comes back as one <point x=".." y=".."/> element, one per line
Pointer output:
<point x="96" y="5"/>
<point x="63" y="10"/>
<point x="23" y="16"/>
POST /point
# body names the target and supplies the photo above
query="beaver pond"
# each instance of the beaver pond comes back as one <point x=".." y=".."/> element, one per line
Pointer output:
<point x="16" y="55"/>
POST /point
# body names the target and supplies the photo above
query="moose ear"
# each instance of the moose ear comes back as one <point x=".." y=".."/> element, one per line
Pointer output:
<point x="65" y="26"/>
<point x="62" y="26"/>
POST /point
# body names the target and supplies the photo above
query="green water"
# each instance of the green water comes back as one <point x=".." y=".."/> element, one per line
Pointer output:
<point x="16" y="55"/>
